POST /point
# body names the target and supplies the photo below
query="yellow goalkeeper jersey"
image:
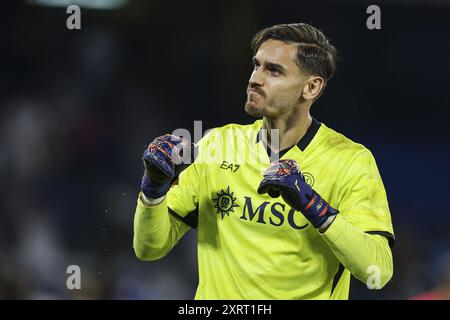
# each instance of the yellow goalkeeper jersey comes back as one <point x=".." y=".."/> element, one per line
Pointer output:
<point x="252" y="246"/>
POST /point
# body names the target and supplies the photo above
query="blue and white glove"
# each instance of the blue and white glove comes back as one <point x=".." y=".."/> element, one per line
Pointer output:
<point x="284" y="178"/>
<point x="164" y="160"/>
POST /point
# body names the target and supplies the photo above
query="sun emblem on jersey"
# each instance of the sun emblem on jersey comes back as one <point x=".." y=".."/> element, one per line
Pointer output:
<point x="309" y="178"/>
<point x="225" y="202"/>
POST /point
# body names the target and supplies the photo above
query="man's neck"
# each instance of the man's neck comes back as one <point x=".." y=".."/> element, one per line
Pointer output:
<point x="291" y="130"/>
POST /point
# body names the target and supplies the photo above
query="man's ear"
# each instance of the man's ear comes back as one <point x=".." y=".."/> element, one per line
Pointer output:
<point x="313" y="88"/>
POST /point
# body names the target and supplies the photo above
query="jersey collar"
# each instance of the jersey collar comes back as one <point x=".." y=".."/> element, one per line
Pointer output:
<point x="305" y="140"/>
<point x="309" y="135"/>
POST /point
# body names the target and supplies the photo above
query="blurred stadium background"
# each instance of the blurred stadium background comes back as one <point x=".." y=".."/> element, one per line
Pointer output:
<point x="77" y="108"/>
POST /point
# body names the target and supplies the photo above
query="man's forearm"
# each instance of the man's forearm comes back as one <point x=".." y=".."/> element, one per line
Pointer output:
<point x="156" y="231"/>
<point x="359" y="251"/>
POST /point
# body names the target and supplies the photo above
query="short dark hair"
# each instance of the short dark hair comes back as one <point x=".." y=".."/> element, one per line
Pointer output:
<point x="315" y="54"/>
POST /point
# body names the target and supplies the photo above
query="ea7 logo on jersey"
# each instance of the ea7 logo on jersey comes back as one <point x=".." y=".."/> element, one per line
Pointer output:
<point x="229" y="166"/>
<point x="225" y="202"/>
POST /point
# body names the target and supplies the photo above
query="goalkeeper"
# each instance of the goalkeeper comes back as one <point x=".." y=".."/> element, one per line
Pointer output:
<point x="296" y="223"/>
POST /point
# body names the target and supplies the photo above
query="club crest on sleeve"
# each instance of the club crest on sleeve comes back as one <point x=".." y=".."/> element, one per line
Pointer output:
<point x="309" y="178"/>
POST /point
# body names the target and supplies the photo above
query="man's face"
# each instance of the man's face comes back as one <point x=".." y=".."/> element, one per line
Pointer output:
<point x="276" y="84"/>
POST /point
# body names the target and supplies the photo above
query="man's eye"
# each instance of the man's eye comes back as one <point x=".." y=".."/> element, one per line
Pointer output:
<point x="275" y="72"/>
<point x="255" y="66"/>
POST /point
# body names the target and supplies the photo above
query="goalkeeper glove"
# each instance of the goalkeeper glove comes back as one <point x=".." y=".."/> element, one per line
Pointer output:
<point x="164" y="160"/>
<point x="284" y="178"/>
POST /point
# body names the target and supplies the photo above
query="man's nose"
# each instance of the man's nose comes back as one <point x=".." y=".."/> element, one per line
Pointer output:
<point x="257" y="78"/>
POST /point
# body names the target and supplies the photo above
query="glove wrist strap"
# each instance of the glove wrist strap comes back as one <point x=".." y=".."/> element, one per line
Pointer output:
<point x="326" y="224"/>
<point x="152" y="202"/>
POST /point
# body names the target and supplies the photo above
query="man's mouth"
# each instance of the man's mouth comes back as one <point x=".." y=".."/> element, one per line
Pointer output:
<point x="253" y="91"/>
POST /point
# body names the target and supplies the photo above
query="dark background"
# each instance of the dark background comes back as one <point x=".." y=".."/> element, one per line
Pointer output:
<point x="77" y="108"/>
